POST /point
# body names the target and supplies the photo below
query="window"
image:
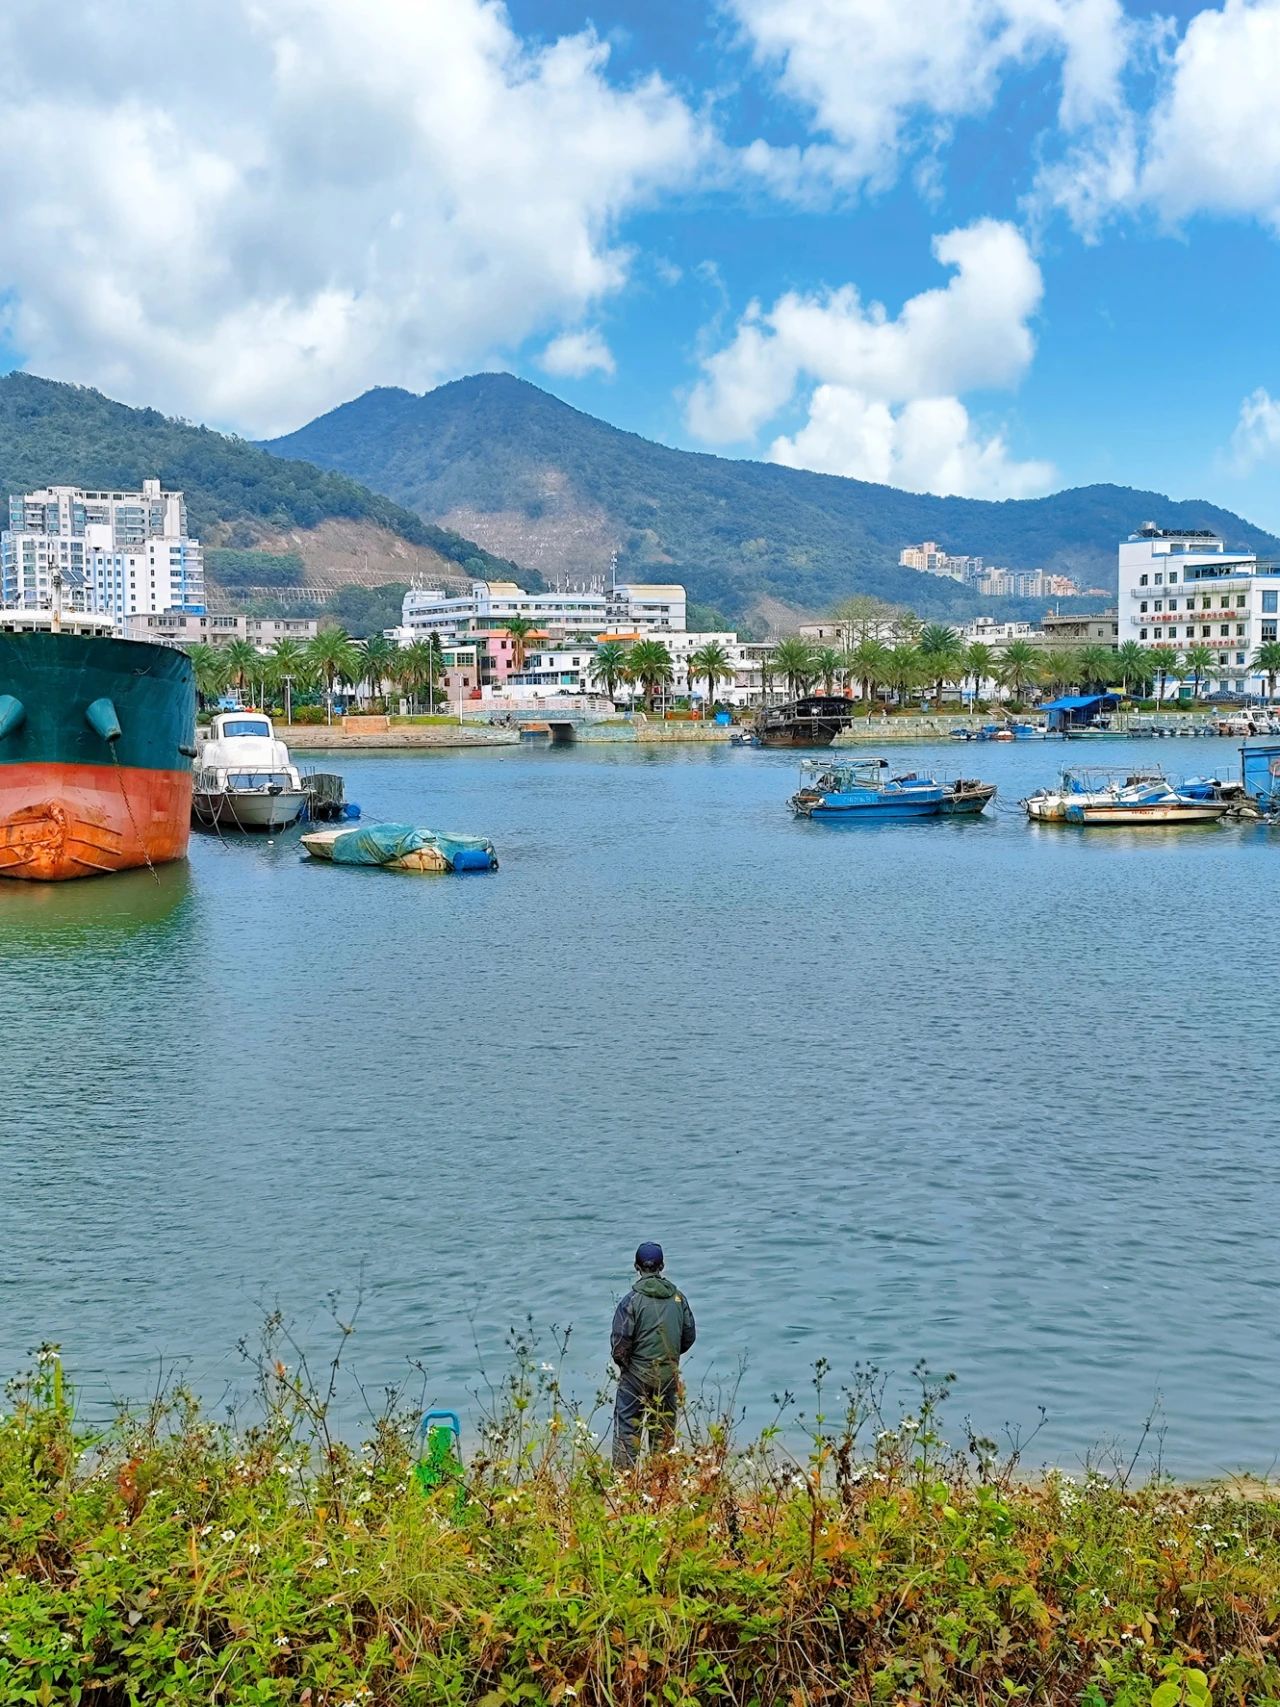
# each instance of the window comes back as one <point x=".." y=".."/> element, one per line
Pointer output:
<point x="1224" y="628"/>
<point x="1239" y="628"/>
<point x="1269" y="603"/>
<point x="1173" y="604"/>
<point x="1159" y="604"/>
<point x="1159" y="579"/>
<point x="1239" y="657"/>
<point x="1268" y="631"/>
<point x="1173" y="576"/>
<point x="1142" y="580"/>
<point x="1204" y="632"/>
<point x="1142" y="634"/>
<point x="1240" y="601"/>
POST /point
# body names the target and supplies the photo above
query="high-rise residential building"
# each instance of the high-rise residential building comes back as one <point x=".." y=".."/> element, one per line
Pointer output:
<point x="931" y="559"/>
<point x="122" y="554"/>
<point x="1181" y="588"/>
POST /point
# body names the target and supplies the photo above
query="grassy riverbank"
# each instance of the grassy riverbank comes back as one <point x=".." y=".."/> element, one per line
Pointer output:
<point x="173" y="1559"/>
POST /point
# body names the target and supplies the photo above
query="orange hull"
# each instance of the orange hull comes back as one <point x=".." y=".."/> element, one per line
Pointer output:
<point x="67" y="820"/>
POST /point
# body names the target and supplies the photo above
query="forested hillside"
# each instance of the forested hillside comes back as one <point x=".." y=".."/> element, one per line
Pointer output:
<point x="52" y="433"/>
<point x="545" y="484"/>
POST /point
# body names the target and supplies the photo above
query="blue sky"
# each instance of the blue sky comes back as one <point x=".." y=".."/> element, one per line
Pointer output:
<point x="987" y="246"/>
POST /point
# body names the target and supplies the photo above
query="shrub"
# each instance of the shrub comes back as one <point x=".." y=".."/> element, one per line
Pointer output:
<point x="173" y="1559"/>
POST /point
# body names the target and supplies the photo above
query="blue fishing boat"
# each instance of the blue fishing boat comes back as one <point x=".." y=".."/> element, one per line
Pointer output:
<point x="863" y="790"/>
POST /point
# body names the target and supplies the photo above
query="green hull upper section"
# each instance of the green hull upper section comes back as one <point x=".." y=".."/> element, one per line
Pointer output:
<point x="56" y="678"/>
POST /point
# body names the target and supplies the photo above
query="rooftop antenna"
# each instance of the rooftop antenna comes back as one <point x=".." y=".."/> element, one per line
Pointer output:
<point x="613" y="570"/>
<point x="56" y="624"/>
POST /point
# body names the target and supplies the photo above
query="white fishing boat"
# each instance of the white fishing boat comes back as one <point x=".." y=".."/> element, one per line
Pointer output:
<point x="244" y="777"/>
<point x="1099" y="796"/>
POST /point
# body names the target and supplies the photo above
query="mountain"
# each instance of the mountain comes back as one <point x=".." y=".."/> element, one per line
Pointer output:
<point x="557" y="490"/>
<point x="279" y="523"/>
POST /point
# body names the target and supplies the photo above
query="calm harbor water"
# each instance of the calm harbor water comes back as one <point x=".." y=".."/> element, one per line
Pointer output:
<point x="997" y="1096"/>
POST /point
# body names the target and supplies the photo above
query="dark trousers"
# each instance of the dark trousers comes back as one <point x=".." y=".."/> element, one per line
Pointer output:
<point x="643" y="1406"/>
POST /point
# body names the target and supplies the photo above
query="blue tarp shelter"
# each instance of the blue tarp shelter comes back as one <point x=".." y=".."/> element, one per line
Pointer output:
<point x="1075" y="710"/>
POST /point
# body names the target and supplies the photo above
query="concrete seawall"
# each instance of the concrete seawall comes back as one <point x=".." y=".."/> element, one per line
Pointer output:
<point x="321" y="738"/>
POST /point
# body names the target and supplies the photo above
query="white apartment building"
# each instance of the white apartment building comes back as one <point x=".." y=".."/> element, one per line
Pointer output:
<point x="628" y="609"/>
<point x="1182" y="587"/>
<point x="570" y="669"/>
<point x="185" y="628"/>
<point x="118" y="553"/>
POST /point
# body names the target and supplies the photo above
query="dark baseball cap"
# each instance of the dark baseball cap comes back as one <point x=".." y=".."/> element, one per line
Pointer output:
<point x="649" y="1255"/>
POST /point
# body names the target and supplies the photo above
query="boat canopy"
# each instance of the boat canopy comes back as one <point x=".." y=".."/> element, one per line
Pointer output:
<point x="1074" y="710"/>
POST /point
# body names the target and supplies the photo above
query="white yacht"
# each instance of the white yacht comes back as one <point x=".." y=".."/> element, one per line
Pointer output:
<point x="244" y="777"/>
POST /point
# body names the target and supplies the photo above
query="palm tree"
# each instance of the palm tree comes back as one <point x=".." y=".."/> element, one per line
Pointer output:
<point x="1018" y="667"/>
<point x="870" y="663"/>
<point x="906" y="669"/>
<point x="519" y="628"/>
<point x="378" y="656"/>
<point x="942" y="654"/>
<point x="609" y="666"/>
<point x="1098" y="664"/>
<point x="1142" y="675"/>
<point x="1164" y="662"/>
<point x="649" y="664"/>
<point x="1199" y="660"/>
<point x="1131" y="660"/>
<point x="713" y="662"/>
<point x="420" y="663"/>
<point x="209" y="666"/>
<point x="827" y="664"/>
<point x="288" y="663"/>
<point x="242" y="661"/>
<point x="980" y="663"/>
<point x="333" y="655"/>
<point x="793" y="658"/>
<point x="1061" y="668"/>
<point x="1267" y="659"/>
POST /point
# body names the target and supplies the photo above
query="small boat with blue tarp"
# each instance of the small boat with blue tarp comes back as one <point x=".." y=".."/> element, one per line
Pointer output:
<point x="1099" y="796"/>
<point x="402" y="847"/>
<point x="863" y="790"/>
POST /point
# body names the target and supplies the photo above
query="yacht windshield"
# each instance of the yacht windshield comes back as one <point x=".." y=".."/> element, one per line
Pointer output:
<point x="246" y="726"/>
<point x="257" y="779"/>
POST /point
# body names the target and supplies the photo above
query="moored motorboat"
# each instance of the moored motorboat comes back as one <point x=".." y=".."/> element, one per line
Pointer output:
<point x="1152" y="805"/>
<point x="401" y="847"/>
<point x="245" y="779"/>
<point x="862" y="790"/>
<point x="1099" y="797"/>
<point x="966" y="797"/>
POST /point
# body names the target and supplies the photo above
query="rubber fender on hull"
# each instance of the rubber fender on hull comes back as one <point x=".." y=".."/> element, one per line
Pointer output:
<point x="13" y="714"/>
<point x="101" y="717"/>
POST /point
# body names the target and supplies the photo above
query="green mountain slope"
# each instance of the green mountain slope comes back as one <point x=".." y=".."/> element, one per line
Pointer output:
<point x="550" y="486"/>
<point x="237" y="495"/>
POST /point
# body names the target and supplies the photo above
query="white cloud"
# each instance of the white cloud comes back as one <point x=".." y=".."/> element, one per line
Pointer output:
<point x="250" y="211"/>
<point x="885" y="398"/>
<point x="1257" y="435"/>
<point x="576" y="354"/>
<point x="883" y="78"/>
<point x="1214" y="139"/>
<point x="929" y="445"/>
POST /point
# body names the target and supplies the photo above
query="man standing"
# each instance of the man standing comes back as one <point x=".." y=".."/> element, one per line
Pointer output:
<point x="652" y="1329"/>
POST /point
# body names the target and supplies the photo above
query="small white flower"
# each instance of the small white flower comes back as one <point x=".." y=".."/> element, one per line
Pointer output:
<point x="228" y="1534"/>
<point x="548" y="1368"/>
<point x="207" y="1530"/>
<point x="322" y="1560"/>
